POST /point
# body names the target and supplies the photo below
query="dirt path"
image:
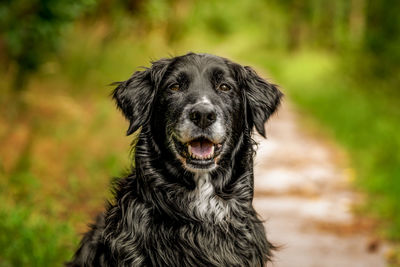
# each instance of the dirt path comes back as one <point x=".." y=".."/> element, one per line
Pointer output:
<point x="302" y="192"/>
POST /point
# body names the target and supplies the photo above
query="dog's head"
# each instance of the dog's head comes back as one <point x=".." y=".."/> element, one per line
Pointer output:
<point x="197" y="107"/>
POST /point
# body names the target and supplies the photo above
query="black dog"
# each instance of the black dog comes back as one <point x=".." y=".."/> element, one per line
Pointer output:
<point x="188" y="201"/>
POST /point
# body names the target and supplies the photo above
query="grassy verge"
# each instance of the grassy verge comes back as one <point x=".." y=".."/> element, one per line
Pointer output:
<point x="33" y="240"/>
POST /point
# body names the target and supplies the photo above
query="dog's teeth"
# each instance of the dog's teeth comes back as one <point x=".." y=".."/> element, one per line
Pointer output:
<point x="190" y="150"/>
<point x="212" y="151"/>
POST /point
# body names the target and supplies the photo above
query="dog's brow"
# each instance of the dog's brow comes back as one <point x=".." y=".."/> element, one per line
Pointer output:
<point x="217" y="74"/>
<point x="180" y="76"/>
<point x="183" y="76"/>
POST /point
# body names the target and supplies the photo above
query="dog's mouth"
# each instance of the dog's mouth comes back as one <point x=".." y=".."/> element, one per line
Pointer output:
<point x="199" y="153"/>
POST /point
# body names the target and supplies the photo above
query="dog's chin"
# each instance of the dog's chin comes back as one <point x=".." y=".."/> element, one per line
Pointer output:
<point x="200" y="154"/>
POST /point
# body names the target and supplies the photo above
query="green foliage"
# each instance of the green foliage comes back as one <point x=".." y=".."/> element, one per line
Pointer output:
<point x="29" y="240"/>
<point x="31" y="30"/>
<point x="382" y="41"/>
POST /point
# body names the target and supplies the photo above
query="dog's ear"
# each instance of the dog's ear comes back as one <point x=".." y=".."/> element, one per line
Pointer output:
<point x="261" y="97"/>
<point x="135" y="96"/>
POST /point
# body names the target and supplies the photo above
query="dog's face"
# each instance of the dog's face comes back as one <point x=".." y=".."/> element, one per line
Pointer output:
<point x="197" y="107"/>
<point x="201" y="106"/>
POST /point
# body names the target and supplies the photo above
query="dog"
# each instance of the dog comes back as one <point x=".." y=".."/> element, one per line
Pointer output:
<point x="188" y="200"/>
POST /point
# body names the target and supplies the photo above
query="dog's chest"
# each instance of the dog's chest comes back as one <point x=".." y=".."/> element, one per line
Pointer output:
<point x="204" y="203"/>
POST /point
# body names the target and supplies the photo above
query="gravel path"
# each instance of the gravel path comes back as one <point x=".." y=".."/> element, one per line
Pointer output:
<point x="302" y="193"/>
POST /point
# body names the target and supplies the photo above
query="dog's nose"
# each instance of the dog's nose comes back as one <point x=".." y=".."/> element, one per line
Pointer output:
<point x="203" y="115"/>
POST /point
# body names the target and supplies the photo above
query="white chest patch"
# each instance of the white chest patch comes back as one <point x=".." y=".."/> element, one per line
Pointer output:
<point x="205" y="203"/>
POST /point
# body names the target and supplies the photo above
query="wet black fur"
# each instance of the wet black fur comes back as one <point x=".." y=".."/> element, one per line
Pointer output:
<point x="150" y="222"/>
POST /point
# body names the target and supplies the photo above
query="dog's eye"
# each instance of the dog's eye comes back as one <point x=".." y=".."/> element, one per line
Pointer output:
<point x="224" y="87"/>
<point x="175" y="87"/>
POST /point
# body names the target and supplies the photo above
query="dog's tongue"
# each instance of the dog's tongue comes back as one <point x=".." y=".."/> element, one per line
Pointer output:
<point x="201" y="148"/>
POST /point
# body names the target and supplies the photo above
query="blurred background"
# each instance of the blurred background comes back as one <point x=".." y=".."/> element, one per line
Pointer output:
<point x="61" y="136"/>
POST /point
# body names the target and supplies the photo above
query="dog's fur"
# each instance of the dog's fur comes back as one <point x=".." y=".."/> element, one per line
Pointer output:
<point x="172" y="211"/>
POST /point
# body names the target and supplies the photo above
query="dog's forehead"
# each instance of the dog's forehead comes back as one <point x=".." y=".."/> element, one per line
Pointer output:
<point x="198" y="64"/>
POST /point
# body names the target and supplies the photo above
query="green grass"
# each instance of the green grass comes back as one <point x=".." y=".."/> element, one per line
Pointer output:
<point x="29" y="239"/>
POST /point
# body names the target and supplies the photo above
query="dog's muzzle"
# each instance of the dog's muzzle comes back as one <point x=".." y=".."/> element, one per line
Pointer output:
<point x="199" y="137"/>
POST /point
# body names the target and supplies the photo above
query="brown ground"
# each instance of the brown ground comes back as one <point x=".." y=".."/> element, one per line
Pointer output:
<point x="303" y="193"/>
